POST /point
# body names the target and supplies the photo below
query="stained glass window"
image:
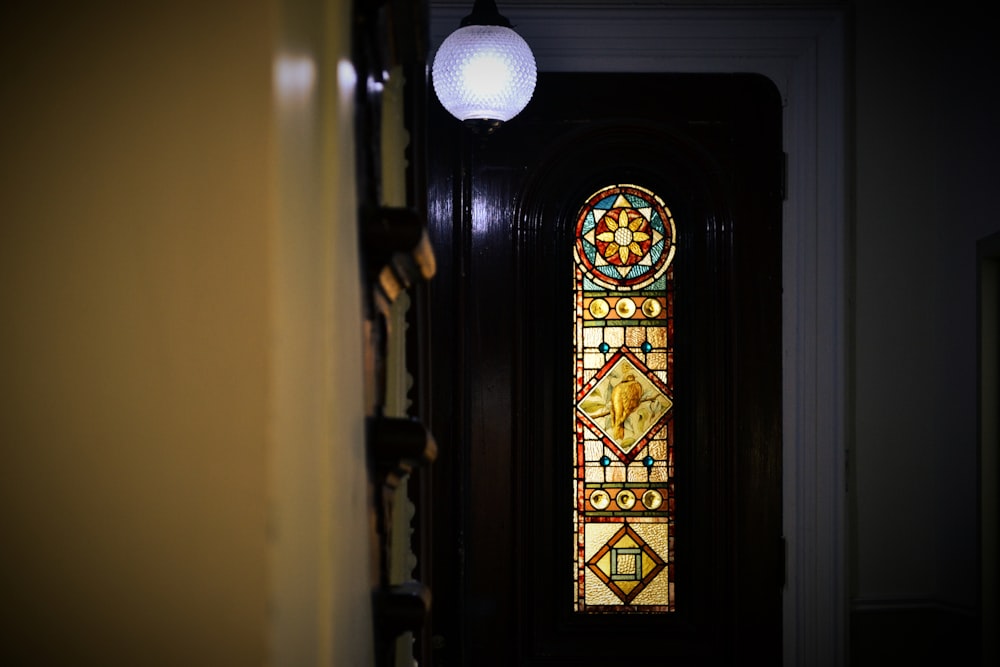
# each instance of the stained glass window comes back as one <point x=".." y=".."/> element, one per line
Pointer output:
<point x="623" y="466"/>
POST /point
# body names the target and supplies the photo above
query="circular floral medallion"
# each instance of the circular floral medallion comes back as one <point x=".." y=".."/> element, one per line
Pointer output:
<point x="625" y="237"/>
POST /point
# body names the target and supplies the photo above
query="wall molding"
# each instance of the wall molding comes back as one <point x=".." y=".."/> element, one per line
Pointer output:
<point x="873" y="605"/>
<point x="803" y="52"/>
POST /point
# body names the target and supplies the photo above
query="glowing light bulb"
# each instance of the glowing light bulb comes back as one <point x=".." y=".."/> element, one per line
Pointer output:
<point x="484" y="73"/>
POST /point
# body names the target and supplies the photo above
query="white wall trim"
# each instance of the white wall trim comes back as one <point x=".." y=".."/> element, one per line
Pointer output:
<point x="802" y="51"/>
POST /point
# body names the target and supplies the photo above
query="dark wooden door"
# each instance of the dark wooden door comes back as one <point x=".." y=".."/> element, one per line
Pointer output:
<point x="501" y="212"/>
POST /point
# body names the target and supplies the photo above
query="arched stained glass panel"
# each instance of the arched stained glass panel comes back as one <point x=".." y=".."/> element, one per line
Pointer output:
<point x="623" y="470"/>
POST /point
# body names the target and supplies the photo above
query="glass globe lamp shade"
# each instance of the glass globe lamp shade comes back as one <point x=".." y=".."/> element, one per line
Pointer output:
<point x="484" y="73"/>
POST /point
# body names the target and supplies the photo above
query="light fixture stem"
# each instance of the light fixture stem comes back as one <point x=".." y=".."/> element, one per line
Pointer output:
<point x="485" y="12"/>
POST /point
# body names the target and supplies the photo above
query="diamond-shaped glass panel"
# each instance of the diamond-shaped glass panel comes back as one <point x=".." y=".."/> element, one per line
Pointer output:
<point x="624" y="404"/>
<point x="626" y="564"/>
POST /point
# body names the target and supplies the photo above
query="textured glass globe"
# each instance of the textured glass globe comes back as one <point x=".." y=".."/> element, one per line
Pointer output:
<point x="484" y="72"/>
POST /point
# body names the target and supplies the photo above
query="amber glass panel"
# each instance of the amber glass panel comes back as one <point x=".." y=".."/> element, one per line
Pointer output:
<point x="623" y="471"/>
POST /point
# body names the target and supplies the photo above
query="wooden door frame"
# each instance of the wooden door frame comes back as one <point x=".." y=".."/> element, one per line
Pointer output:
<point x="988" y="327"/>
<point x="803" y="52"/>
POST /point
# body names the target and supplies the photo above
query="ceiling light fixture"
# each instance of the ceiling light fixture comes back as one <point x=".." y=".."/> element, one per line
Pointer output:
<point x="484" y="73"/>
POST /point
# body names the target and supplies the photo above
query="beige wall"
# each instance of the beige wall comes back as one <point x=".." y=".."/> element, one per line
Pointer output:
<point x="174" y="439"/>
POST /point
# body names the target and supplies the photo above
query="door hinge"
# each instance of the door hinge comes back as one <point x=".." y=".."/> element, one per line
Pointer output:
<point x="783" y="176"/>
<point x="783" y="562"/>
